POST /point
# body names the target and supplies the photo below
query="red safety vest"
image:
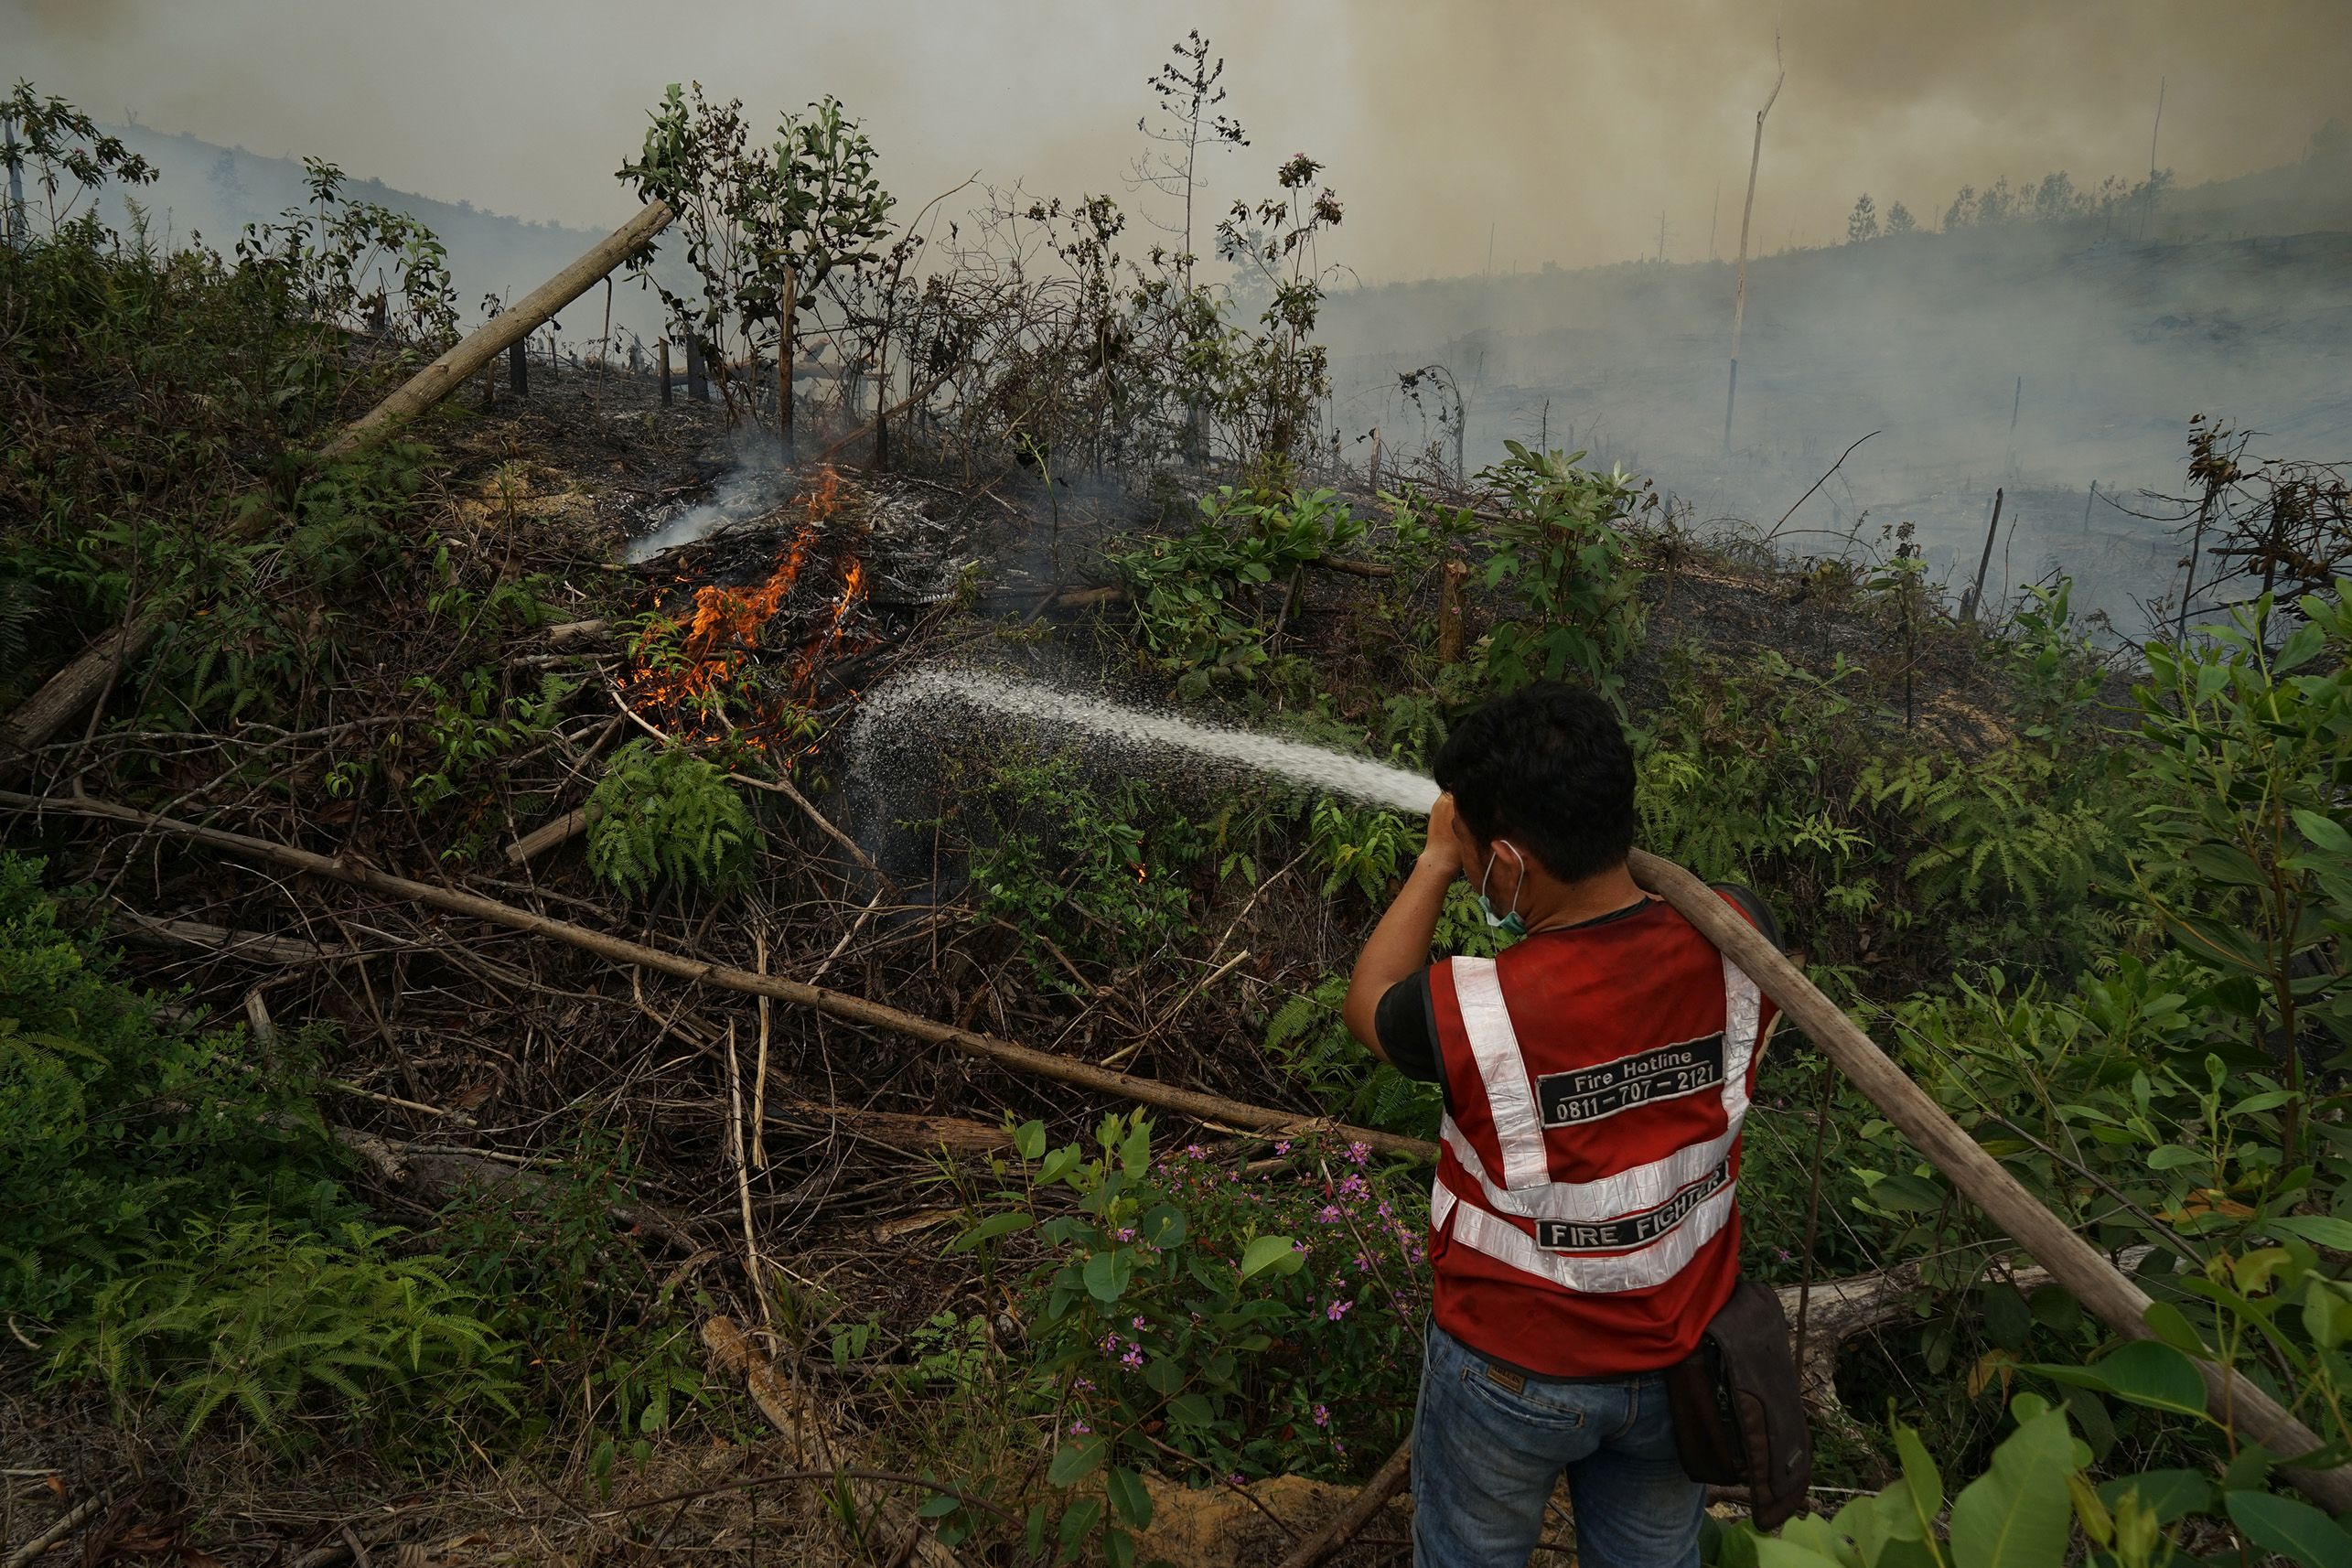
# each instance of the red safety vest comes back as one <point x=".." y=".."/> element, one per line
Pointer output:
<point x="1586" y="1217"/>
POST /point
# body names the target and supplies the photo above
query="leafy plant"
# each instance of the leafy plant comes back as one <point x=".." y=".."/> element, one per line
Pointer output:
<point x="1266" y="1326"/>
<point x="766" y="227"/>
<point x="1204" y="601"/>
<point x="1561" y="547"/>
<point x="1306" y="1035"/>
<point x="663" y="813"/>
<point x="2253" y="749"/>
<point x="287" y="1327"/>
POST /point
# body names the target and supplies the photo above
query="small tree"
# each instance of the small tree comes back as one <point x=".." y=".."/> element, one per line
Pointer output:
<point x="1188" y="94"/>
<point x="824" y="213"/>
<point x="1283" y="372"/>
<point x="69" y="159"/>
<point x="1862" y="223"/>
<point x="1899" y="220"/>
<point x="766" y="226"/>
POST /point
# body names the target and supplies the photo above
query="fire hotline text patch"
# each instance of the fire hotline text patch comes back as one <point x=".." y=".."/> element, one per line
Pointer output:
<point x="1669" y="1072"/>
<point x="1628" y="1231"/>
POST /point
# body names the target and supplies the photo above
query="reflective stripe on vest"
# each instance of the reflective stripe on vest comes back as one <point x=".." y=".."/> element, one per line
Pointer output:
<point x="1628" y="1230"/>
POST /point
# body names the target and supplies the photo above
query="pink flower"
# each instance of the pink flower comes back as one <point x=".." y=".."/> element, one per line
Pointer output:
<point x="1078" y="1429"/>
<point x="1133" y="1357"/>
<point x="1322" y="1416"/>
<point x="1136" y="1322"/>
<point x="1282" y="1147"/>
<point x="1338" y="1310"/>
<point x="1329" y="1214"/>
<point x="1359" y="1152"/>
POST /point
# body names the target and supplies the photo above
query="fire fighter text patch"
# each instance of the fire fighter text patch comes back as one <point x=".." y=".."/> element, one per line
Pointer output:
<point x="1591" y="1093"/>
<point x="1628" y="1231"/>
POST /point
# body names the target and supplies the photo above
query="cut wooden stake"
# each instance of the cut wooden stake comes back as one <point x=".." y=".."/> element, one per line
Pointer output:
<point x="1450" y="596"/>
<point x="2072" y="1262"/>
<point x="1208" y="1108"/>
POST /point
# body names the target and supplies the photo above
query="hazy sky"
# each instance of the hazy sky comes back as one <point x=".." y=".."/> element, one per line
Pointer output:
<point x="1567" y="127"/>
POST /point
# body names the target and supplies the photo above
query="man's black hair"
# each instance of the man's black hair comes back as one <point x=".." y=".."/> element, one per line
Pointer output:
<point x="1547" y="768"/>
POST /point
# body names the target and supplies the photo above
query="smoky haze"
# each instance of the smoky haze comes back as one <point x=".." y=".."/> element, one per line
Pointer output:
<point x="1486" y="153"/>
<point x="1565" y="130"/>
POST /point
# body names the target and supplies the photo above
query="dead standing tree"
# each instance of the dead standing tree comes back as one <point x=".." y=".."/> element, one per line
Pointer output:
<point x="1747" y="215"/>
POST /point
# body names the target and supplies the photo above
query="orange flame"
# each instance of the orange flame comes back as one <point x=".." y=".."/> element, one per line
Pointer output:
<point x="722" y="638"/>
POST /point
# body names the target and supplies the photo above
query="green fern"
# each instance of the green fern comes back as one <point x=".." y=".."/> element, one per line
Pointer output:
<point x="664" y="814"/>
<point x="246" y="1316"/>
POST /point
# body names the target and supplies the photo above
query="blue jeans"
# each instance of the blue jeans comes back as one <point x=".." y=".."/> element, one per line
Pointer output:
<point x="1488" y="1444"/>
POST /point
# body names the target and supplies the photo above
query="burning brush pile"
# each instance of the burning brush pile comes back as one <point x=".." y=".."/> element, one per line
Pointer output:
<point x="756" y="637"/>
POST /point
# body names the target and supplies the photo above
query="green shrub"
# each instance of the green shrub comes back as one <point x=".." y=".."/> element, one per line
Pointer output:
<point x="1208" y="602"/>
<point x="115" y="1126"/>
<point x="1267" y="1325"/>
<point x="663" y="813"/>
<point x="1561" y="547"/>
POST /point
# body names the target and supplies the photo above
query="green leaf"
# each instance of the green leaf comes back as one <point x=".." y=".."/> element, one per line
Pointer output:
<point x="1279" y="1253"/>
<point x="2290" y="1529"/>
<point x="2225" y="863"/>
<point x="1191" y="1410"/>
<point x="1131" y="1500"/>
<point x="1108" y="1274"/>
<point x="2166" y="1321"/>
<point x="2143" y="1372"/>
<point x="2167" y="1493"/>
<point x="2019" y="1514"/>
<point x="1920" y="1477"/>
<point x="1777" y="1553"/>
<point x="2324" y="831"/>
<point x="2319" y="1229"/>
<point x="1078" y="1524"/>
<point x="2173" y="1156"/>
<point x="1029" y="1138"/>
<point x="1077" y="1458"/>
<point x="990" y="1228"/>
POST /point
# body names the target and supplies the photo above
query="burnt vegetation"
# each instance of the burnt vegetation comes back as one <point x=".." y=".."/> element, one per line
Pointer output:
<point x="497" y="1063"/>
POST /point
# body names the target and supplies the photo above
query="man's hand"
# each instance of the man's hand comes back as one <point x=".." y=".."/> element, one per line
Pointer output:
<point x="1400" y="944"/>
<point x="1444" y="849"/>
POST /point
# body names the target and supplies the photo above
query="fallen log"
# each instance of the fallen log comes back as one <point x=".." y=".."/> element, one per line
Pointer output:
<point x="1386" y="1482"/>
<point x="1211" y="1109"/>
<point x="259" y="947"/>
<point x="494" y="336"/>
<point x="69" y="691"/>
<point x="542" y="839"/>
<point x="2072" y="1262"/>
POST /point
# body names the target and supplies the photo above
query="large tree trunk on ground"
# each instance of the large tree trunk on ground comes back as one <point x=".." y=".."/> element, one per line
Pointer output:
<point x="511" y="326"/>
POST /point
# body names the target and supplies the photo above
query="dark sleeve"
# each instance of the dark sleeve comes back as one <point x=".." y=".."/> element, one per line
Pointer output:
<point x="1758" y="913"/>
<point x="1406" y="1026"/>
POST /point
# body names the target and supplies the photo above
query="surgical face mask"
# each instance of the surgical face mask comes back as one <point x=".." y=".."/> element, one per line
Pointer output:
<point x="1510" y="923"/>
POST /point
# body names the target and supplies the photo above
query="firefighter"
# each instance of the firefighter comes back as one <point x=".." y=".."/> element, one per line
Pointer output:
<point x="1585" y="1223"/>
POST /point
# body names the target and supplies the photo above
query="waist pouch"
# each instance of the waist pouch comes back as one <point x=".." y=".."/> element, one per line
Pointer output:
<point x="1738" y="1418"/>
